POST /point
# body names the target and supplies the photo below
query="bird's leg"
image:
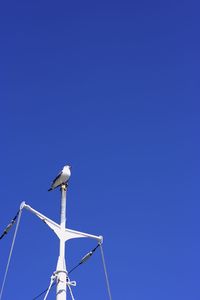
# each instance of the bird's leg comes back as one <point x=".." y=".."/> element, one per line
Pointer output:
<point x="64" y="186"/>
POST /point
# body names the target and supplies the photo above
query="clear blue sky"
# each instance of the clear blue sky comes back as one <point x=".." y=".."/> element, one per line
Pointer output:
<point x="111" y="87"/>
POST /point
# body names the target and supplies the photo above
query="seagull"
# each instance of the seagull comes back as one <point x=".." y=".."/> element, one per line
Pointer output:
<point x="61" y="178"/>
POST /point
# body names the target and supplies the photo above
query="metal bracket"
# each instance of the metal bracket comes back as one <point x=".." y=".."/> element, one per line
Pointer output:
<point x="71" y="283"/>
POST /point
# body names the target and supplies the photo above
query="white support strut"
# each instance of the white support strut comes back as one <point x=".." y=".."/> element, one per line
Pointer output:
<point x="69" y="233"/>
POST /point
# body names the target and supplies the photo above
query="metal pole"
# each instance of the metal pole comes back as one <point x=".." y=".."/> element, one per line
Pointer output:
<point x="61" y="271"/>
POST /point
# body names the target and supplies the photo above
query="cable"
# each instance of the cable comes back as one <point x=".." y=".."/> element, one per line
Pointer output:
<point x="9" y="225"/>
<point x="11" y="250"/>
<point x="84" y="259"/>
<point x="38" y="296"/>
<point x="105" y="271"/>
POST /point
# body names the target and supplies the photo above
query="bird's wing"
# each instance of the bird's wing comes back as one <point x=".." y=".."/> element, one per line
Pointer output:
<point x="57" y="177"/>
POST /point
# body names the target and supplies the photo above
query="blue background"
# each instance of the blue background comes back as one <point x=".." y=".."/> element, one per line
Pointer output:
<point x="112" y="88"/>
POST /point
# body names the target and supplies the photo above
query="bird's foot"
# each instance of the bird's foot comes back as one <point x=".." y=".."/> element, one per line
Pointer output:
<point x="64" y="186"/>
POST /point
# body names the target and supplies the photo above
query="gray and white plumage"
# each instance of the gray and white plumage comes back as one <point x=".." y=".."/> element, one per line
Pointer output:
<point x="61" y="178"/>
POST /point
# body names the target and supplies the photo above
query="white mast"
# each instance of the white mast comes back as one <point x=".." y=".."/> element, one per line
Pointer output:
<point x="61" y="271"/>
<point x="64" y="234"/>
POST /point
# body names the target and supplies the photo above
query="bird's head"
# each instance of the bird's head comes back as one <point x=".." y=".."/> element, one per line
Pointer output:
<point x="68" y="166"/>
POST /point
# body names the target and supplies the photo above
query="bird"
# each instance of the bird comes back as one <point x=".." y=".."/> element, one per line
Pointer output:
<point x="61" y="178"/>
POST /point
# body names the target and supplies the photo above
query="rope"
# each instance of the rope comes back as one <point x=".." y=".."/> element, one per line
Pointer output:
<point x="70" y="290"/>
<point x="105" y="272"/>
<point x="50" y="286"/>
<point x="11" y="250"/>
